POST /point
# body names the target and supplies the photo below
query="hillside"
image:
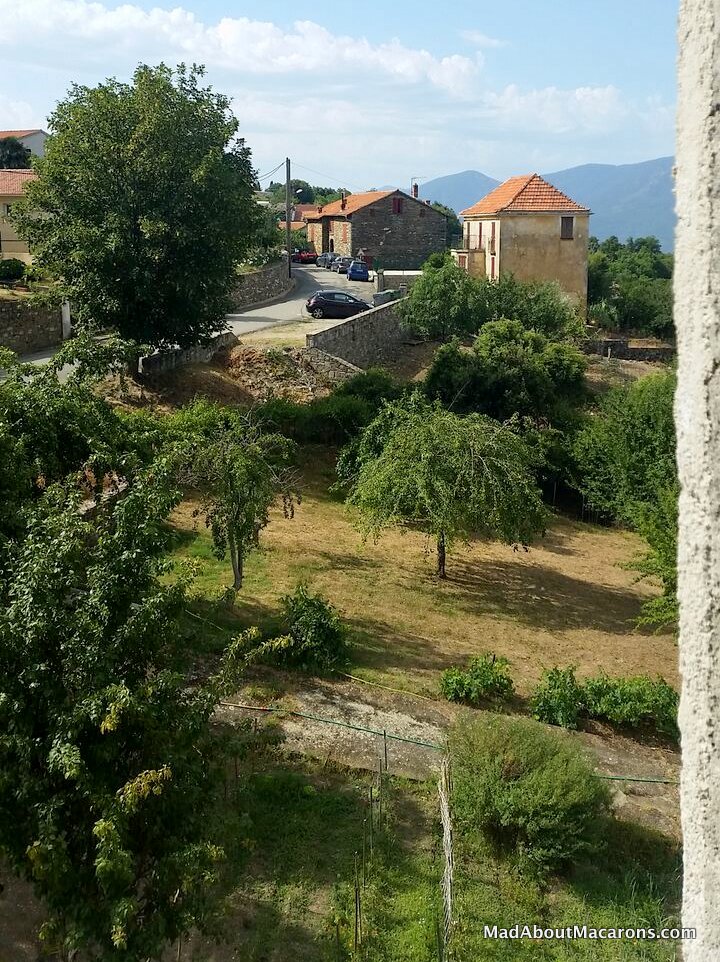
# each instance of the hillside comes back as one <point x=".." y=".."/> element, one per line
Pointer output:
<point x="626" y="199"/>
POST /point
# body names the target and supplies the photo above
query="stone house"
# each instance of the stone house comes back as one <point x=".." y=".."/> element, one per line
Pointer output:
<point x="528" y="228"/>
<point x="34" y="140"/>
<point x="12" y="186"/>
<point x="389" y="228"/>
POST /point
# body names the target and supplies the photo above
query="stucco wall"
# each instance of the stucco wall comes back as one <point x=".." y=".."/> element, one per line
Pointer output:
<point x="697" y="414"/>
<point x="530" y="248"/>
<point x="262" y="285"/>
<point x="10" y="244"/>
<point x="366" y="339"/>
<point x="25" y="328"/>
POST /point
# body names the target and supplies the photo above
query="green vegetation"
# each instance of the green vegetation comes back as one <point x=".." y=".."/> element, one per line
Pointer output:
<point x="630" y="286"/>
<point x="14" y="155"/>
<point x="302" y="192"/>
<point x="559" y="699"/>
<point x="11" y="269"/>
<point x="486" y="677"/>
<point x="153" y="258"/>
<point x="418" y="464"/>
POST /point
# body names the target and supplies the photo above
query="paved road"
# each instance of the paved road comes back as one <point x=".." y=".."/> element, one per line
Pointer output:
<point x="291" y="308"/>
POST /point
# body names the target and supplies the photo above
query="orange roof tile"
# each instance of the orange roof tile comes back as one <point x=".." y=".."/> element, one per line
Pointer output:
<point x="524" y="194"/>
<point x="12" y="182"/>
<point x="294" y="224"/>
<point x="18" y="133"/>
<point x="353" y="202"/>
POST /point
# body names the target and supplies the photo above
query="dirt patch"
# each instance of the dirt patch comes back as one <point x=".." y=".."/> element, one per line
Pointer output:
<point x="604" y="373"/>
<point x="262" y="373"/>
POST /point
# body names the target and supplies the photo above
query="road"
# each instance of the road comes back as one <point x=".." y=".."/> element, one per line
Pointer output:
<point x="285" y="311"/>
<point x="308" y="278"/>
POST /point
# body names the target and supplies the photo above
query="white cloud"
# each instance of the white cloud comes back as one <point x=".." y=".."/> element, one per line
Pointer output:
<point x="18" y="115"/>
<point x="557" y="111"/>
<point x="482" y="40"/>
<point x="237" y="44"/>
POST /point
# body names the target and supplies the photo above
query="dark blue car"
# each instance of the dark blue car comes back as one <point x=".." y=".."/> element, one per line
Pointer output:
<point x="358" y="271"/>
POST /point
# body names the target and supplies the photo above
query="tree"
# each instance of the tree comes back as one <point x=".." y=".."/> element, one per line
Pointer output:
<point x="442" y="303"/>
<point x="142" y="206"/>
<point x="14" y="155"/>
<point x="420" y="465"/>
<point x="241" y="473"/>
<point x="106" y="756"/>
<point x="453" y="228"/>
<point x="509" y="371"/>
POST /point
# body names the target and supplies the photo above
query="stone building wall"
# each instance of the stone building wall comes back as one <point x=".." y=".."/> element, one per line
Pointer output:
<point x="411" y="235"/>
<point x="366" y="339"/>
<point x="26" y="328"/>
<point x="263" y="285"/>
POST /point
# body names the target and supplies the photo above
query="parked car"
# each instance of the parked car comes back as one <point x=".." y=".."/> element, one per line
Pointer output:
<point x="307" y="257"/>
<point x="358" y="271"/>
<point x="295" y="256"/>
<point x="335" y="304"/>
<point x="325" y="259"/>
<point x="341" y="265"/>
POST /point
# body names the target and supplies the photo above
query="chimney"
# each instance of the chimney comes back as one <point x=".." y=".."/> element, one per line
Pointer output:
<point x="427" y="203"/>
<point x="415" y="190"/>
<point x="319" y="209"/>
<point x="343" y="201"/>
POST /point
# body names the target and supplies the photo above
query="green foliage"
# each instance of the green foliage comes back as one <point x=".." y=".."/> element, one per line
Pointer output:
<point x="633" y="702"/>
<point x="11" y="269"/>
<point x="625" y="458"/>
<point x="14" y="155"/>
<point x="302" y="192"/>
<point x="317" y="635"/>
<point x="509" y="371"/>
<point x="447" y="302"/>
<point x="418" y="464"/>
<point x="630" y="286"/>
<point x="559" y="699"/>
<point x="486" y="677"/>
<point x="106" y="762"/>
<point x="437" y="260"/>
<point x="240" y="471"/>
<point x="532" y="794"/>
<point x="142" y="205"/>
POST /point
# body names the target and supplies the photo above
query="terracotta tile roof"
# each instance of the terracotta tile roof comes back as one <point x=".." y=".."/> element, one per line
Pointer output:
<point x="527" y="193"/>
<point x="12" y="182"/>
<point x="353" y="202"/>
<point x="302" y="209"/>
<point x="294" y="224"/>
<point x="18" y="133"/>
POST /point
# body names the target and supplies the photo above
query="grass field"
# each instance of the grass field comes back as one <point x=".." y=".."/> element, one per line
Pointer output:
<point x="568" y="600"/>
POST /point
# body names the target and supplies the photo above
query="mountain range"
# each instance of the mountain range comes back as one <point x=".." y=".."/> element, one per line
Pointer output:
<point x="628" y="200"/>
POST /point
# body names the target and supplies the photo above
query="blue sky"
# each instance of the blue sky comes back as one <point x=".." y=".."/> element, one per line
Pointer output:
<point x="371" y="93"/>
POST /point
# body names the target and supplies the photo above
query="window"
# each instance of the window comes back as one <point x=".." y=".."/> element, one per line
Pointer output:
<point x="397" y="205"/>
<point x="566" y="228"/>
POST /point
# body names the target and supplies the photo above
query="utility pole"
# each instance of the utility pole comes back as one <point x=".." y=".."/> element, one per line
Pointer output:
<point x="288" y="232"/>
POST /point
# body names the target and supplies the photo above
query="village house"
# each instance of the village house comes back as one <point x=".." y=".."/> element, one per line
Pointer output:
<point x="34" y="140"/>
<point x="528" y="228"/>
<point x="12" y="186"/>
<point x="388" y="228"/>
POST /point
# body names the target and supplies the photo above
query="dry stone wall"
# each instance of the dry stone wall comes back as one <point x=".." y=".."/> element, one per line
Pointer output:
<point x="366" y="339"/>
<point x="26" y="328"/>
<point x="262" y="285"/>
<point x="621" y="349"/>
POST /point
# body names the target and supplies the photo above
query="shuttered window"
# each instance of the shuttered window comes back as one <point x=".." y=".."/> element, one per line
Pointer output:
<point x="566" y="228"/>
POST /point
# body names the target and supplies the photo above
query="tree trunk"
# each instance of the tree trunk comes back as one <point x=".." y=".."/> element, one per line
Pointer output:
<point x="236" y="560"/>
<point x="441" y="555"/>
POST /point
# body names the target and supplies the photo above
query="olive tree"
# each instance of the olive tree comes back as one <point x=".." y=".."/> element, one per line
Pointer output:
<point x="420" y="465"/>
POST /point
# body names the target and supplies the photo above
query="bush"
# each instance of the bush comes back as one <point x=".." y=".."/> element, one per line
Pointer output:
<point x="316" y="637"/>
<point x="633" y="702"/>
<point x="11" y="269"/>
<point x="559" y="699"/>
<point x="485" y="677"/>
<point x="330" y="420"/>
<point x="530" y="793"/>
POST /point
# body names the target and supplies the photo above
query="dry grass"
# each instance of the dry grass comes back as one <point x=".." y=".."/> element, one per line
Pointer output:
<point x="566" y="601"/>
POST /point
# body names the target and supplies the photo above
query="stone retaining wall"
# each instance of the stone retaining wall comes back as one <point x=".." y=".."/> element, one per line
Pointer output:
<point x="26" y="328"/>
<point x="366" y="339"/>
<point x="163" y="361"/>
<point x="332" y="369"/>
<point x="621" y="349"/>
<point x="262" y="285"/>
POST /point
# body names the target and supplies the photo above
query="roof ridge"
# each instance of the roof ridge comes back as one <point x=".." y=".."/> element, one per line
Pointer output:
<point x="526" y="178"/>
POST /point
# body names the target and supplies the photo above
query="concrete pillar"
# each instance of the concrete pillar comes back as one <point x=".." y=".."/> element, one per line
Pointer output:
<point x="66" y="320"/>
<point x="697" y="412"/>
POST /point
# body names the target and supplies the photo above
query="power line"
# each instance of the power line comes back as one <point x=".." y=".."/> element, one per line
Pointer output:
<point x="273" y="171"/>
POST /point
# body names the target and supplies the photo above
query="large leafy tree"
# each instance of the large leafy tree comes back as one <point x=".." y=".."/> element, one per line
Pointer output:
<point x="106" y="760"/>
<point x="420" y="465"/>
<point x="143" y="205"/>
<point x="240" y="472"/>
<point x="13" y="154"/>
<point x="509" y="371"/>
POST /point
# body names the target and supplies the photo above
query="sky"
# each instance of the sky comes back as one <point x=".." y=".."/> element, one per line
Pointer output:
<point x="375" y="92"/>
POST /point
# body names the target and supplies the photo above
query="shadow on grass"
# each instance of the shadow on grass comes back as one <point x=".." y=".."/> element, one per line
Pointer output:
<point x="541" y="597"/>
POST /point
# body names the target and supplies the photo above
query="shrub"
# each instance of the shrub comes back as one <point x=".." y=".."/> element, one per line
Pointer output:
<point x="485" y="677"/>
<point x="633" y="702"/>
<point x="530" y="793"/>
<point x="330" y="420"/>
<point x="559" y="698"/>
<point x="316" y="637"/>
<point x="11" y="269"/>
<point x="374" y="386"/>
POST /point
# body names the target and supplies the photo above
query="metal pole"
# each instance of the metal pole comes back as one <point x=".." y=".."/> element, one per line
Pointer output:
<point x="288" y="207"/>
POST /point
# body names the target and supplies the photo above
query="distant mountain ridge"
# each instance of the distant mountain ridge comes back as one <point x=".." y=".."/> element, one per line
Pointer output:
<point x="628" y="200"/>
